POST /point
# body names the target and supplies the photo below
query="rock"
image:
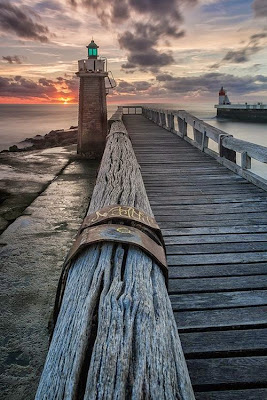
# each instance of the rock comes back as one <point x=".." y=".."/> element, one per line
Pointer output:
<point x="14" y="148"/>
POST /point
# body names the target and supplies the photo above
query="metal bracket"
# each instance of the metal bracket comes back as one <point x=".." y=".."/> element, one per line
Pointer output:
<point x="119" y="234"/>
<point x="136" y="228"/>
<point x="119" y="212"/>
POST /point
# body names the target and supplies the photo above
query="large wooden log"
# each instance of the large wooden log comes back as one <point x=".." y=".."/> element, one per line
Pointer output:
<point x="116" y="336"/>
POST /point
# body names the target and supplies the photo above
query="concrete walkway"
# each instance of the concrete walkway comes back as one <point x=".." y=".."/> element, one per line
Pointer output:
<point x="32" y="250"/>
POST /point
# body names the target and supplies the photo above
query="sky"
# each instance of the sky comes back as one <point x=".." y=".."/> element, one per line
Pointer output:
<point x="158" y="50"/>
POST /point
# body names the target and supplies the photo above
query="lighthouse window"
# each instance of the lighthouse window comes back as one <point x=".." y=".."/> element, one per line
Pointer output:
<point x="94" y="52"/>
<point x="90" y="52"/>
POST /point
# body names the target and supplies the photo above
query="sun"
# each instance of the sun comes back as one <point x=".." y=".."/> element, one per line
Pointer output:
<point x="65" y="100"/>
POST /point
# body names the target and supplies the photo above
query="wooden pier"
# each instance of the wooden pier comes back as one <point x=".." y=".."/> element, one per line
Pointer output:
<point x="115" y="332"/>
<point x="214" y="224"/>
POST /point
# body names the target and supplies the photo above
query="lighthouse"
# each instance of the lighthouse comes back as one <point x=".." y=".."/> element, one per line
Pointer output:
<point x="92" y="124"/>
<point x="223" y="98"/>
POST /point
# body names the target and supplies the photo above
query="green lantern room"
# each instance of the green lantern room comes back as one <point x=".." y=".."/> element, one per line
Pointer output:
<point x="92" y="50"/>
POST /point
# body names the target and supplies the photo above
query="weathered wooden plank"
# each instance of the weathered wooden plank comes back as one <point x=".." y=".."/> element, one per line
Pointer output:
<point x="227" y="238"/>
<point x="198" y="271"/>
<point x="213" y="223"/>
<point x="194" y="190"/>
<point x="192" y="200"/>
<point x="218" y="248"/>
<point x="186" y="216"/>
<point x="227" y="258"/>
<point x="211" y="208"/>
<point x="247" y="394"/>
<point x="225" y="371"/>
<point x="214" y="231"/>
<point x="206" y="179"/>
<point x="209" y="182"/>
<point x="221" y="318"/>
<point x="218" y="284"/>
<point x="202" y="301"/>
<point x="204" y="344"/>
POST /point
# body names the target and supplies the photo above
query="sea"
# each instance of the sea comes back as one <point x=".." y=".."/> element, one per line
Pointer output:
<point x="20" y="121"/>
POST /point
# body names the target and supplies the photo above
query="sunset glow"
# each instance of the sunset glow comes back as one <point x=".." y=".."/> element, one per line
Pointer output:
<point x="192" y="48"/>
<point x="65" y="100"/>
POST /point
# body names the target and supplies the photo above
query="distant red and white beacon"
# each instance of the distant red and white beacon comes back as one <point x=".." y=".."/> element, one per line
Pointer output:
<point x="223" y="98"/>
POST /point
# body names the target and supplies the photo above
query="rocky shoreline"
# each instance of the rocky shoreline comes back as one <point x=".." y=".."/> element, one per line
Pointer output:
<point x="58" y="137"/>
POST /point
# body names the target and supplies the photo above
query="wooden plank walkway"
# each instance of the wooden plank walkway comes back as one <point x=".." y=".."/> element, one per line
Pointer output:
<point x="215" y="228"/>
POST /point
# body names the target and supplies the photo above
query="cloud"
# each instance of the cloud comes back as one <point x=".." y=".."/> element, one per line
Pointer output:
<point x="152" y="58"/>
<point x="260" y="8"/>
<point x="140" y="44"/>
<point x="121" y="10"/>
<point x="164" y="77"/>
<point x="124" y="87"/>
<point x="243" y="54"/>
<point x="13" y="59"/>
<point x="149" y="23"/>
<point x="45" y="89"/>
<point x="21" y="21"/>
<point x="240" y="56"/>
<point x="210" y="83"/>
<point x="49" y="5"/>
<point x="206" y="86"/>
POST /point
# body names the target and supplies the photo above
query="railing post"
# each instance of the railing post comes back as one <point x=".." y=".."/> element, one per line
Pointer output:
<point x="224" y="152"/>
<point x="205" y="141"/>
<point x="245" y="160"/>
<point x="163" y="119"/>
<point x="197" y="136"/>
<point x="158" y="118"/>
<point x="171" y="122"/>
<point x="182" y="126"/>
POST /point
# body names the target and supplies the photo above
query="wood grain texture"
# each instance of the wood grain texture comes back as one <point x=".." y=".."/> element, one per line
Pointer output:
<point x="248" y="394"/>
<point x="219" y="342"/>
<point x="116" y="336"/>
<point x="223" y="371"/>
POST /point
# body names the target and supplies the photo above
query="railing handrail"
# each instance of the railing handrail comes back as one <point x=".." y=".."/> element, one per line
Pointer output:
<point x="228" y="146"/>
<point x="256" y="151"/>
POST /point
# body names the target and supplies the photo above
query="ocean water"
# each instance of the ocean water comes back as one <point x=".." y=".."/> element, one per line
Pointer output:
<point x="19" y="121"/>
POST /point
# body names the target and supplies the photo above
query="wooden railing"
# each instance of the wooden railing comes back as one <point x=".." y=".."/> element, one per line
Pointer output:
<point x="131" y="109"/>
<point x="226" y="146"/>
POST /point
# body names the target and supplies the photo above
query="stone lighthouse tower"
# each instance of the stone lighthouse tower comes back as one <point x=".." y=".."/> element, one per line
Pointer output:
<point x="92" y="126"/>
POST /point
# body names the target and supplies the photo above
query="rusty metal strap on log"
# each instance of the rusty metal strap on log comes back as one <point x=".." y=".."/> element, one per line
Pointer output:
<point x="126" y="214"/>
<point x="101" y="227"/>
<point x="119" y="234"/>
